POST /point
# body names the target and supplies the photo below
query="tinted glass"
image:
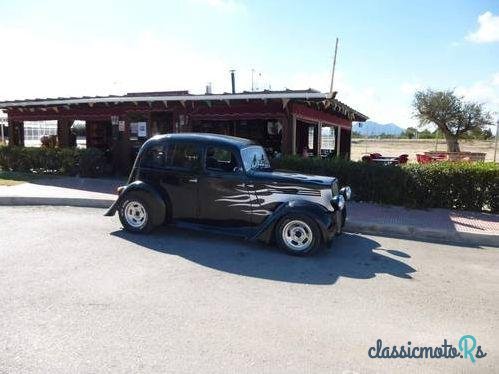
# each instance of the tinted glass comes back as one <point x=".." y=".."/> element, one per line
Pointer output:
<point x="154" y="157"/>
<point x="220" y="159"/>
<point x="255" y="158"/>
<point x="184" y="155"/>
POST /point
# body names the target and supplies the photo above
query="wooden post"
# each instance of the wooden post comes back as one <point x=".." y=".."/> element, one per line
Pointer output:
<point x="16" y="133"/>
<point x="293" y="134"/>
<point x="2" y="133"/>
<point x="319" y="138"/>
<point x="125" y="150"/>
<point x="338" y="142"/>
<point x="64" y="136"/>
<point x="285" y="136"/>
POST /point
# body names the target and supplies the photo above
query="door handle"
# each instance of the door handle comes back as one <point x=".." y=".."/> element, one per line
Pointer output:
<point x="193" y="180"/>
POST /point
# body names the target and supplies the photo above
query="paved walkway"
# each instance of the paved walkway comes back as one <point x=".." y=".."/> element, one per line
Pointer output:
<point x="98" y="193"/>
<point x="481" y="228"/>
<point x="438" y="219"/>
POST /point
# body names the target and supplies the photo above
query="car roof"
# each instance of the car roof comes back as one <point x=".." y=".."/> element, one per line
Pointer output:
<point x="206" y="138"/>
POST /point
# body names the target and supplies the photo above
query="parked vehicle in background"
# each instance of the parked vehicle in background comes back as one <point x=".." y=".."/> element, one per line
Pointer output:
<point x="225" y="184"/>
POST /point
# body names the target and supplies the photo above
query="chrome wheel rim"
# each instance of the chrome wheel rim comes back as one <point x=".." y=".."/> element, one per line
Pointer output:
<point x="297" y="235"/>
<point x="135" y="214"/>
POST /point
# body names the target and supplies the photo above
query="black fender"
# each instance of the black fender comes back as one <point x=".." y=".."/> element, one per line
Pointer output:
<point x="158" y="204"/>
<point x="323" y="217"/>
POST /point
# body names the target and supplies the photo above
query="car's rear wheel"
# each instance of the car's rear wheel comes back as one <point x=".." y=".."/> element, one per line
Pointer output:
<point x="298" y="235"/>
<point x="135" y="213"/>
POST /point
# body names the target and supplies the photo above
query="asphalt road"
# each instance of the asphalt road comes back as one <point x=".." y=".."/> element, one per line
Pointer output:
<point x="77" y="294"/>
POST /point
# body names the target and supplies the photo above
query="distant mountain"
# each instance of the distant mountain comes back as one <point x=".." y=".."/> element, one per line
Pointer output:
<point x="371" y="128"/>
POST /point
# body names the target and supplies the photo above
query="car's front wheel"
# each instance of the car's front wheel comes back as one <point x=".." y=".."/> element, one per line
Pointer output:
<point x="298" y="235"/>
<point x="135" y="213"/>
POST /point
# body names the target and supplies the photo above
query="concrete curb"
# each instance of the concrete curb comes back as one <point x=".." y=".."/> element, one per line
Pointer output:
<point x="418" y="233"/>
<point x="402" y="231"/>
<point x="56" y="201"/>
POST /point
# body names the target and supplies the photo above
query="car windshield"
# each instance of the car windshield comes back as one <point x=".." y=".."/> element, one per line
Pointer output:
<point x="255" y="158"/>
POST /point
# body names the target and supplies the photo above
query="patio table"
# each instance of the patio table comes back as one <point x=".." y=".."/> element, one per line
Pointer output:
<point x="386" y="160"/>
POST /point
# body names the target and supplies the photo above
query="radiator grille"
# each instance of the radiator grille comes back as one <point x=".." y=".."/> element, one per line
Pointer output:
<point x="334" y="188"/>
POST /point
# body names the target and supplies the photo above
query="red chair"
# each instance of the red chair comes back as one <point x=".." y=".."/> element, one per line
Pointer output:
<point x="403" y="159"/>
<point x="424" y="159"/>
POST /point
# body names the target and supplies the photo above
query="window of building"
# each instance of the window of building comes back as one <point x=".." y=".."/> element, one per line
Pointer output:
<point x="328" y="138"/>
<point x="34" y="130"/>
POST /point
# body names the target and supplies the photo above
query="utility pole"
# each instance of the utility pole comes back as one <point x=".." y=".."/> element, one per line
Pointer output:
<point x="334" y="68"/>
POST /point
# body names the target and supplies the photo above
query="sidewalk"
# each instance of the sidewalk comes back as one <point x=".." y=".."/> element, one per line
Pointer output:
<point x="432" y="224"/>
<point x="84" y="192"/>
<point x="440" y="224"/>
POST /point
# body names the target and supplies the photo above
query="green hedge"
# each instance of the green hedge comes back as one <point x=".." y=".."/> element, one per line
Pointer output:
<point x="463" y="186"/>
<point x="66" y="161"/>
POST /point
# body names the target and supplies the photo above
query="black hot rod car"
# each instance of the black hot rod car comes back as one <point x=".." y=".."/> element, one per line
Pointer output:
<point x="225" y="184"/>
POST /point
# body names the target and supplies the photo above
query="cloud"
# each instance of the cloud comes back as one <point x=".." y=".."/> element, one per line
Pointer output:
<point x="485" y="92"/>
<point x="409" y="88"/>
<point x="488" y="29"/>
<point x="37" y="66"/>
<point x="495" y="79"/>
<point x="386" y="107"/>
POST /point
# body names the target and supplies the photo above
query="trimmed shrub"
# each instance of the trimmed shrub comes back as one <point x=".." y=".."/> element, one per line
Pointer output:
<point x="91" y="162"/>
<point x="88" y="162"/>
<point x="451" y="185"/>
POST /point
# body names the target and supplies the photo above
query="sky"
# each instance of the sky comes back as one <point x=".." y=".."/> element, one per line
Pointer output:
<point x="387" y="50"/>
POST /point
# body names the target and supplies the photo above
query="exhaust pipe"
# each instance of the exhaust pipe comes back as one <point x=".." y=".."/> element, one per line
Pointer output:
<point x="233" y="80"/>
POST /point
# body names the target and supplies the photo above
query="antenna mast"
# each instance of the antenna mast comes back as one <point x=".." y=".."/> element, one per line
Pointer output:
<point x="334" y="67"/>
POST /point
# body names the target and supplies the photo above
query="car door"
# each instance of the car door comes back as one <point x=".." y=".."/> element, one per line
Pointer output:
<point x="224" y="199"/>
<point x="178" y="180"/>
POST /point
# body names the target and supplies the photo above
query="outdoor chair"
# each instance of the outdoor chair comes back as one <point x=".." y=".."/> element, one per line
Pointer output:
<point x="403" y="159"/>
<point x="424" y="159"/>
<point x="374" y="156"/>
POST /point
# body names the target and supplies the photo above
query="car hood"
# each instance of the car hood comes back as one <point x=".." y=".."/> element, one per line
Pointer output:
<point x="284" y="177"/>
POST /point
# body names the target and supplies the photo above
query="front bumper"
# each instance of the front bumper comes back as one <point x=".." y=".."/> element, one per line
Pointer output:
<point x="338" y="219"/>
<point x="339" y="216"/>
<point x="113" y="208"/>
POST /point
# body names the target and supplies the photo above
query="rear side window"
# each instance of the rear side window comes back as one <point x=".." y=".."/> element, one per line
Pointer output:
<point x="184" y="155"/>
<point x="154" y="157"/>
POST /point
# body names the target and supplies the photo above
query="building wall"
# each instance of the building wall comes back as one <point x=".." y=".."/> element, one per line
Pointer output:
<point x="123" y="141"/>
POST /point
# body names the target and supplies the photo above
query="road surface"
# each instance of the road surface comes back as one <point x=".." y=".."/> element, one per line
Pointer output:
<point x="77" y="294"/>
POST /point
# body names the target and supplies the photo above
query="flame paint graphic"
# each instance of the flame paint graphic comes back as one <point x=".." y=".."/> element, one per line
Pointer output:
<point x="258" y="199"/>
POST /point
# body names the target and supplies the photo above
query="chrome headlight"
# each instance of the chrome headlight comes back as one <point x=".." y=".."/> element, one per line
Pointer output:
<point x="346" y="192"/>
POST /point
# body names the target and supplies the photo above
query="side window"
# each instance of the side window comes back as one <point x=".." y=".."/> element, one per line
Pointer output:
<point x="184" y="155"/>
<point x="154" y="157"/>
<point x="221" y="159"/>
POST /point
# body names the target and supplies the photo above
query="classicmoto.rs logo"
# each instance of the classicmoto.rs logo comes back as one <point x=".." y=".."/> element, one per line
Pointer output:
<point x="467" y="348"/>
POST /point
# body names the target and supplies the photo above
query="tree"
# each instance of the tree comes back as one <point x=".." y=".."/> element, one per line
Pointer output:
<point x="410" y="133"/>
<point x="452" y="115"/>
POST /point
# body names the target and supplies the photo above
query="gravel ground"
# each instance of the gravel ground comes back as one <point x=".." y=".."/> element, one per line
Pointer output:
<point x="77" y="294"/>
